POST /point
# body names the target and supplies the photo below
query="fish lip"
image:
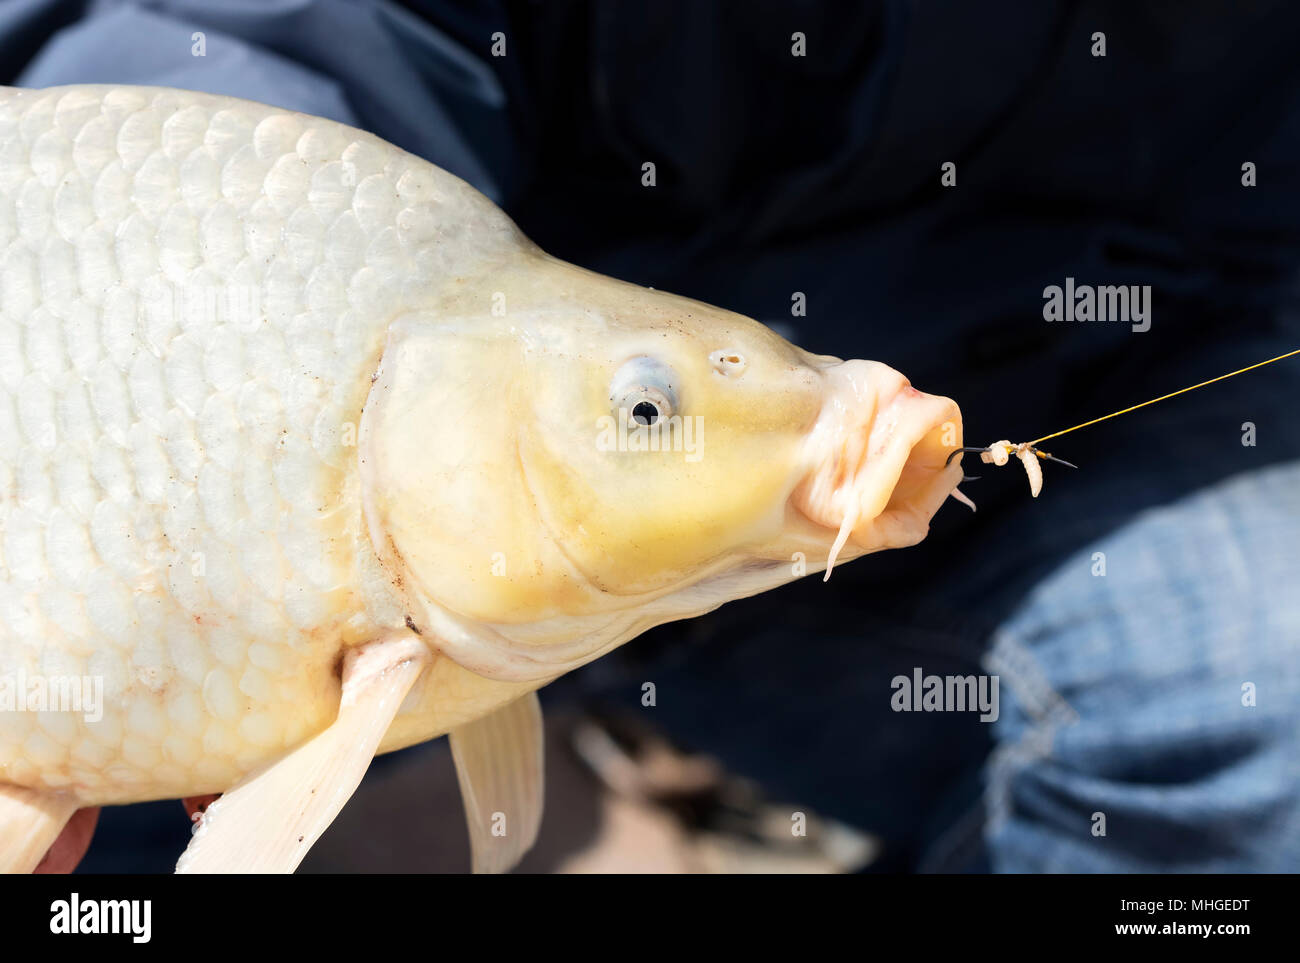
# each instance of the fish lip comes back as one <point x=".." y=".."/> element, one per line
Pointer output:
<point x="899" y="479"/>
<point x="923" y="481"/>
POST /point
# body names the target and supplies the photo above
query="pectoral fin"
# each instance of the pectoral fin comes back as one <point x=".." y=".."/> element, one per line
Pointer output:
<point x="30" y="822"/>
<point x="68" y="850"/>
<point x="499" y="766"/>
<point x="269" y="821"/>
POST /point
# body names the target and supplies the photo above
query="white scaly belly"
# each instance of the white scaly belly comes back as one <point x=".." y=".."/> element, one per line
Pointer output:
<point x="194" y="292"/>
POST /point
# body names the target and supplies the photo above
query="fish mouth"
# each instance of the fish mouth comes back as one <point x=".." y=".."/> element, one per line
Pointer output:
<point x="877" y="453"/>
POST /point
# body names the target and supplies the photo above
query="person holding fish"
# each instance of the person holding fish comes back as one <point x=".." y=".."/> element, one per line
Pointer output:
<point x="383" y="504"/>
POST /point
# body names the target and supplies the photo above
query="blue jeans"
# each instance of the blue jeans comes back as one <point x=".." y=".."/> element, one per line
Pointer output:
<point x="1163" y="695"/>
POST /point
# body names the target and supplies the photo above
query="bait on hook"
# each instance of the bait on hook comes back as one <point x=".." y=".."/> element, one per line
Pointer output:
<point x="999" y="453"/>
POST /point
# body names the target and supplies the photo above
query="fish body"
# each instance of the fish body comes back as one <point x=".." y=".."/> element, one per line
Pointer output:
<point x="196" y="292"/>
<point x="273" y="391"/>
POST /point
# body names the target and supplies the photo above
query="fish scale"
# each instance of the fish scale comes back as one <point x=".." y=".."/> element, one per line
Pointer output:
<point x="307" y="454"/>
<point x="194" y="293"/>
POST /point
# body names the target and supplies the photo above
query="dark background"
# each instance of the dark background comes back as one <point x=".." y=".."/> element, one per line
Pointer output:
<point x="820" y="174"/>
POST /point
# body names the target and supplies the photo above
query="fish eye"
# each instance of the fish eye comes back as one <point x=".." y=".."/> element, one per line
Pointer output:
<point x="645" y="413"/>
<point x="645" y="388"/>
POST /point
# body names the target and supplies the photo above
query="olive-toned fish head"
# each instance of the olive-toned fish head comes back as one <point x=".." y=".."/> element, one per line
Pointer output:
<point x="560" y="461"/>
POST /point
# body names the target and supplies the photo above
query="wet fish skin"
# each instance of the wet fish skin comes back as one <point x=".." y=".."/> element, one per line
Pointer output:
<point x="178" y="512"/>
<point x="273" y="391"/>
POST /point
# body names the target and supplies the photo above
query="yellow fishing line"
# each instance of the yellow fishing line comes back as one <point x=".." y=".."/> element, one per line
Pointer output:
<point x="1124" y="411"/>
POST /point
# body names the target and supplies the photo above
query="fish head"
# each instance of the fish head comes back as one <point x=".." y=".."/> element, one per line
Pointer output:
<point x="558" y="461"/>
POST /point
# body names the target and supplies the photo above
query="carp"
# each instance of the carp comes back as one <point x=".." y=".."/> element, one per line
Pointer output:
<point x="308" y="454"/>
